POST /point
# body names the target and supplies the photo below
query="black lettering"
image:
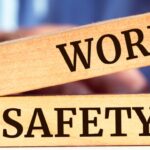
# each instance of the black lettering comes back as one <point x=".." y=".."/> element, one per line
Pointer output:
<point x="143" y="120"/>
<point x="86" y="122"/>
<point x="12" y="122"/>
<point x="61" y="122"/>
<point x="77" y="51"/>
<point x="138" y="43"/>
<point x="100" y="48"/>
<point x="38" y="112"/>
<point x="118" y="118"/>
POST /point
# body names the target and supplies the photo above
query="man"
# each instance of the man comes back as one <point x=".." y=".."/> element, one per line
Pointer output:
<point x="44" y="13"/>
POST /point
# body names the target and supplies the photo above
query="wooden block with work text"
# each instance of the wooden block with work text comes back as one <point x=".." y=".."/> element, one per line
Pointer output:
<point x="80" y="53"/>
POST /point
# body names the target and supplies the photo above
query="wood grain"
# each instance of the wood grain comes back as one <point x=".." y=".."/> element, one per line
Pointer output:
<point x="35" y="62"/>
<point x="26" y="105"/>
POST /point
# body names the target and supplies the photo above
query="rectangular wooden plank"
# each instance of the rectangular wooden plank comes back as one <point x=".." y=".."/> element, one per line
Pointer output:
<point x="97" y="49"/>
<point x="92" y="120"/>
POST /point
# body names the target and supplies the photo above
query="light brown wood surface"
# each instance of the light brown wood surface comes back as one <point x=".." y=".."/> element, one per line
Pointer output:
<point x="131" y="126"/>
<point x="35" y="62"/>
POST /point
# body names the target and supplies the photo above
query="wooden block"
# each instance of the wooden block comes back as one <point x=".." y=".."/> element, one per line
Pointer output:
<point x="80" y="53"/>
<point x="92" y="120"/>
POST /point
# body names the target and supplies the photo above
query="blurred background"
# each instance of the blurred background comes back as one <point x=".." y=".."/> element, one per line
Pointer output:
<point x="28" y="13"/>
<point x="17" y="15"/>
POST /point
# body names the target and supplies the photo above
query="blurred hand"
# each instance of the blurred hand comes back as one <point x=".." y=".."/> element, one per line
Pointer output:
<point x="131" y="81"/>
<point x="24" y="32"/>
